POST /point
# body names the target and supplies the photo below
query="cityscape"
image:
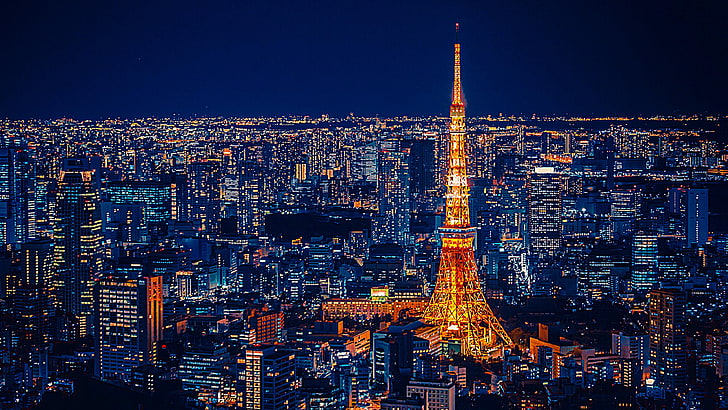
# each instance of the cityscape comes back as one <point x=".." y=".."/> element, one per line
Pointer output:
<point x="400" y="262"/>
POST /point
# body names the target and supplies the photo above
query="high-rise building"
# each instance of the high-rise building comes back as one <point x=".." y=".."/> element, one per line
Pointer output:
<point x="392" y="359"/>
<point x="266" y="379"/>
<point x="204" y="193"/>
<point x="77" y="243"/>
<point x="630" y="143"/>
<point x="17" y="194"/>
<point x="437" y="395"/>
<point x="423" y="184"/>
<point x="392" y="223"/>
<point x="129" y="323"/>
<point x="697" y="217"/>
<point x="364" y="166"/>
<point x="33" y="297"/>
<point x="155" y="198"/>
<point x="624" y="204"/>
<point x="252" y="187"/>
<point x="632" y="346"/>
<point x="644" y="261"/>
<point x="201" y="367"/>
<point x="544" y="211"/>
<point x="668" y="344"/>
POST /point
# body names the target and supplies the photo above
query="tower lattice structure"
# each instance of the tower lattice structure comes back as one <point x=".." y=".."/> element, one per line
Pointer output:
<point x="458" y="304"/>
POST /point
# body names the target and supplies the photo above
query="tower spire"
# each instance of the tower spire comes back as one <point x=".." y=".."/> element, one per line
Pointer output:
<point x="458" y="210"/>
<point x="457" y="89"/>
<point x="458" y="305"/>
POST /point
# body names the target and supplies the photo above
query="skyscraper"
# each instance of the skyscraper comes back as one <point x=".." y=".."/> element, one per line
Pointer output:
<point x="624" y="210"/>
<point x="544" y="212"/>
<point x="644" y="261"/>
<point x="17" y="216"/>
<point x="252" y="180"/>
<point x="392" y="224"/>
<point x="422" y="173"/>
<point x="129" y="322"/>
<point x="33" y="298"/>
<point x="204" y="193"/>
<point x="668" y="344"/>
<point x="266" y="379"/>
<point x="458" y="304"/>
<point x="77" y="237"/>
<point x="697" y="218"/>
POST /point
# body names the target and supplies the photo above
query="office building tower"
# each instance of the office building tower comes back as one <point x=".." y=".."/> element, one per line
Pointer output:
<point x="299" y="172"/>
<point x="129" y="323"/>
<point x="392" y="359"/>
<point x="437" y="395"/>
<point x="668" y="344"/>
<point x="630" y="143"/>
<point x="320" y="152"/>
<point x="423" y="183"/>
<point x="32" y="299"/>
<point x="320" y="257"/>
<point x="203" y="190"/>
<point x="697" y="217"/>
<point x="252" y="197"/>
<point x="520" y="140"/>
<point x="77" y="243"/>
<point x="154" y="197"/>
<point x="632" y="346"/>
<point x="268" y="326"/>
<point x="364" y="166"/>
<point x="392" y="222"/>
<point x="624" y="211"/>
<point x="201" y="367"/>
<point x="544" y="211"/>
<point x="644" y="261"/>
<point x="17" y="194"/>
<point x="266" y="379"/>
<point x="385" y="264"/>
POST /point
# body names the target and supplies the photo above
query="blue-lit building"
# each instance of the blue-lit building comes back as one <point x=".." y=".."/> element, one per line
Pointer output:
<point x="644" y="261"/>
<point x="17" y="194"/>
<point x="544" y="211"/>
<point x="155" y="198"/>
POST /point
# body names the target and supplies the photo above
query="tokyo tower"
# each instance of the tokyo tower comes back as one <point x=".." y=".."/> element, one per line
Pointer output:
<point x="458" y="305"/>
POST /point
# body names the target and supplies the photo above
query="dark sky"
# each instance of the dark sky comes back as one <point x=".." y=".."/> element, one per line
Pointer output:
<point x="213" y="57"/>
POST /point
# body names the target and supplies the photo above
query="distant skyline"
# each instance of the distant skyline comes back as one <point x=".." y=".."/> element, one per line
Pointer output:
<point x="133" y="59"/>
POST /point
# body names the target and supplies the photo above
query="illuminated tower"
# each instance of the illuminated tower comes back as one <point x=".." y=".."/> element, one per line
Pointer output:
<point x="458" y="304"/>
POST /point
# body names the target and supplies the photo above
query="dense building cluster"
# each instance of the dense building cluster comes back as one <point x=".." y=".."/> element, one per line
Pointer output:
<point x="283" y="263"/>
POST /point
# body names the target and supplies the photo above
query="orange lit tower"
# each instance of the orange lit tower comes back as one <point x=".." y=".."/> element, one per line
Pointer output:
<point x="458" y="304"/>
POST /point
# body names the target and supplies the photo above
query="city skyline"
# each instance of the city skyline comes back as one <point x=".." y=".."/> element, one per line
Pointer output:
<point x="360" y="262"/>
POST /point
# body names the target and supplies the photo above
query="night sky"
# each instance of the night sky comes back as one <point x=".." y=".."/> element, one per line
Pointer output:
<point x="127" y="59"/>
